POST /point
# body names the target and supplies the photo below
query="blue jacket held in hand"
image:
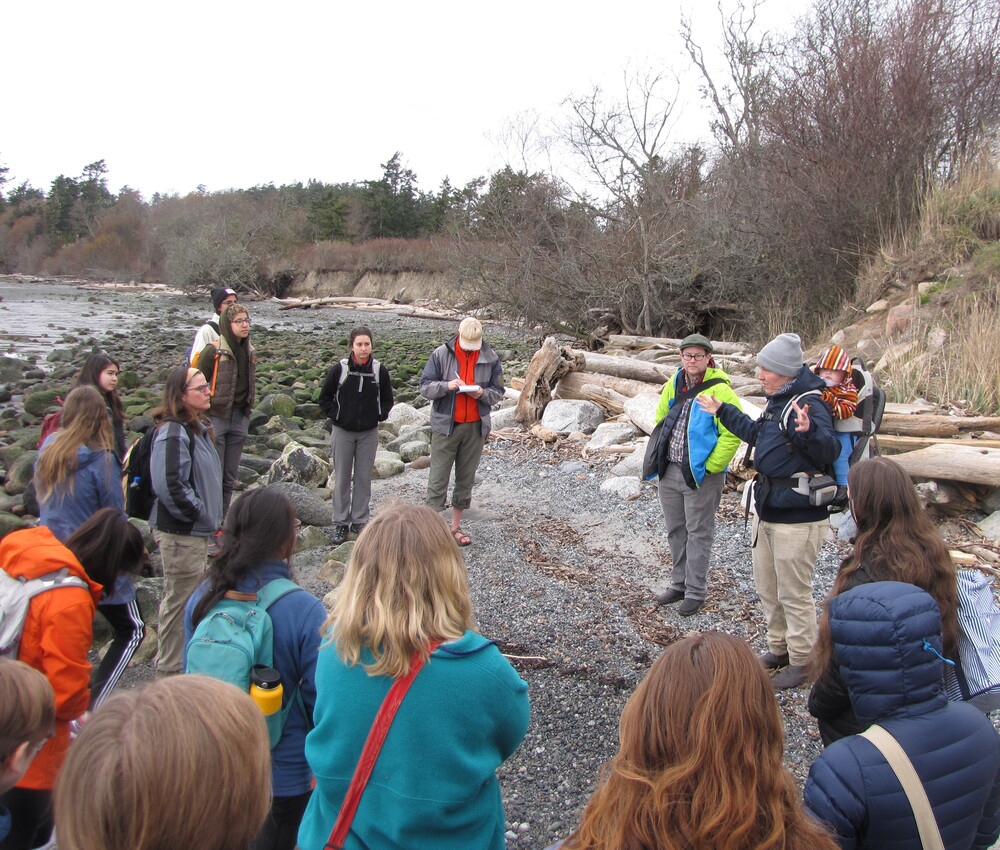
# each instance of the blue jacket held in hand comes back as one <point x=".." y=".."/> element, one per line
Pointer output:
<point x="887" y="640"/>
<point x="781" y="453"/>
<point x="297" y="619"/>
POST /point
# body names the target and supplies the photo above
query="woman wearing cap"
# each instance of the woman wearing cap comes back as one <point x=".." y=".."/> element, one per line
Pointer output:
<point x="230" y="367"/>
<point x="187" y="481"/>
<point x="464" y="380"/>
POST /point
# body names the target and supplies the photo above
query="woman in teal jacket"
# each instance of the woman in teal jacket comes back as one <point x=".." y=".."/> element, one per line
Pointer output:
<point x="434" y="784"/>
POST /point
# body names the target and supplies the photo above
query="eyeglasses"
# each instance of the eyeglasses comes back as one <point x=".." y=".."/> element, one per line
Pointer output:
<point x="242" y="322"/>
<point x="696" y="357"/>
<point x="201" y="388"/>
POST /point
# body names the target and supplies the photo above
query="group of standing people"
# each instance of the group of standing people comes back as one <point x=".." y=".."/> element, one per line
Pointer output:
<point x="700" y="760"/>
<point x="201" y="425"/>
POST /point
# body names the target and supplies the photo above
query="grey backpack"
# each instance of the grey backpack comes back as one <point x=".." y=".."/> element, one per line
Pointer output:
<point x="15" y="597"/>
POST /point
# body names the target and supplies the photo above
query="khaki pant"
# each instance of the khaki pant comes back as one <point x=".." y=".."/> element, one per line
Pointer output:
<point x="185" y="559"/>
<point x="784" y="557"/>
<point x="462" y="449"/>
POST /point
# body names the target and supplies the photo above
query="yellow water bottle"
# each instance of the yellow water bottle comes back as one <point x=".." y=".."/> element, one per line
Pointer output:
<point x="266" y="689"/>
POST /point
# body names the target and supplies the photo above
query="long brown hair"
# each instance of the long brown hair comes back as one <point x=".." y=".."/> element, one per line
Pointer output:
<point x="84" y="422"/>
<point x="896" y="541"/>
<point x="699" y="765"/>
<point x="91" y="374"/>
<point x="405" y="586"/>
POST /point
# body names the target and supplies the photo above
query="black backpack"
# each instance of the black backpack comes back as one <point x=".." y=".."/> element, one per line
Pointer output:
<point x="139" y="495"/>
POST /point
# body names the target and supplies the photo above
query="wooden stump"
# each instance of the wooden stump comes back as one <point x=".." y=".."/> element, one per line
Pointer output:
<point x="549" y="364"/>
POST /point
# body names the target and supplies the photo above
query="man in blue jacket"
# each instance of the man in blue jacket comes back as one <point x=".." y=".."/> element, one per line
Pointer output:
<point x="793" y="441"/>
<point x="690" y="455"/>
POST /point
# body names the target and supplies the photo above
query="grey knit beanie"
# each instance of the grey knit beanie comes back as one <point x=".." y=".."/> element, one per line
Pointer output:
<point x="782" y="355"/>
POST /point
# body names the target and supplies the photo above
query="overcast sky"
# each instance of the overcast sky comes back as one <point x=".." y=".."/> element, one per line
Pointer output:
<point x="234" y="94"/>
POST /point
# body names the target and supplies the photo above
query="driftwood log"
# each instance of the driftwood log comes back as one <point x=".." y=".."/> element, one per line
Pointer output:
<point x="895" y="444"/>
<point x="926" y="425"/>
<point x="571" y="385"/>
<point x="629" y="341"/>
<point x="953" y="463"/>
<point x="548" y="365"/>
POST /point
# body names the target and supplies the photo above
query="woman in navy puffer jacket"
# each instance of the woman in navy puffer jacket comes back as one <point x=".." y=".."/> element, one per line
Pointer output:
<point x="887" y="641"/>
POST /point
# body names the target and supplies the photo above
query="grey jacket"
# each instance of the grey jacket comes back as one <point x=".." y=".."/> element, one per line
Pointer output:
<point x="442" y="367"/>
<point x="187" y="482"/>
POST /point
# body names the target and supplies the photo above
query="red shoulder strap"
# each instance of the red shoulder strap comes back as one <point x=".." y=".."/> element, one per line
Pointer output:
<point x="373" y="745"/>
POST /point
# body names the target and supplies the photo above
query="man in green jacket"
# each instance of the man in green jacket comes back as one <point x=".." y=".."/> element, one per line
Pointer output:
<point x="691" y="454"/>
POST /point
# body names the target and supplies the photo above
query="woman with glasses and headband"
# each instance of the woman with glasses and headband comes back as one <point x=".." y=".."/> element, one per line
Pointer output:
<point x="230" y="366"/>
<point x="257" y="545"/>
<point x="187" y="482"/>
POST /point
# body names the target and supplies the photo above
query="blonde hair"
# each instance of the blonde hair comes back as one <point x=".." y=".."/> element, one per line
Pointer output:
<point x="405" y="585"/>
<point x="181" y="763"/>
<point x="84" y="422"/>
<point x="27" y="706"/>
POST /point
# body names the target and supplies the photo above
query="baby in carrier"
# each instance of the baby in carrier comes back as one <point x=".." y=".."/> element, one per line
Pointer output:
<point x="841" y="396"/>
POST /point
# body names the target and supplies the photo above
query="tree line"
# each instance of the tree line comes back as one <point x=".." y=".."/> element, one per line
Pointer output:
<point x="823" y="144"/>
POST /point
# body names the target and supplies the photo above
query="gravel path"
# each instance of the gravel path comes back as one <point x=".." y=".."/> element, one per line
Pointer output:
<point x="562" y="573"/>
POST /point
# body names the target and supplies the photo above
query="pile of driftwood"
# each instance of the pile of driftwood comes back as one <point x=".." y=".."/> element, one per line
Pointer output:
<point x="956" y="457"/>
<point x="350" y="302"/>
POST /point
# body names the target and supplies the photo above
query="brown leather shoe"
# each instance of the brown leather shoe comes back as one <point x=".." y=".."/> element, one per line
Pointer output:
<point x="690" y="606"/>
<point x="669" y="596"/>
<point x="772" y="661"/>
<point x="791" y="677"/>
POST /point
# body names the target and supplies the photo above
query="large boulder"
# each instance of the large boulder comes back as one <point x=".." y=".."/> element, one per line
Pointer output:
<point x="20" y="473"/>
<point x="406" y="414"/>
<point x="309" y="507"/>
<point x="622" y="487"/>
<point x="39" y="401"/>
<point x="503" y="418"/>
<point x="564" y="415"/>
<point x="613" y="434"/>
<point x="12" y="369"/>
<point x="413" y="449"/>
<point x="299" y="464"/>
<point x="631" y="465"/>
<point x="641" y="409"/>
<point x="311" y="537"/>
<point x="9" y="523"/>
<point x="388" y="464"/>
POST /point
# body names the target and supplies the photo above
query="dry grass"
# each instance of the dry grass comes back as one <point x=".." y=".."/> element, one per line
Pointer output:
<point x="966" y="371"/>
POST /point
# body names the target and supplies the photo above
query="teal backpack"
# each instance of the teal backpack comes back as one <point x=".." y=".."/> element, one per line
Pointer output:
<point x="234" y="636"/>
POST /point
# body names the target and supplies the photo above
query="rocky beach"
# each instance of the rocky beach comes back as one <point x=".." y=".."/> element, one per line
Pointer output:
<point x="563" y="573"/>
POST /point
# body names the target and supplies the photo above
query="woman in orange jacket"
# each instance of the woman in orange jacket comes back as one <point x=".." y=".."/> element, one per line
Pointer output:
<point x="55" y="639"/>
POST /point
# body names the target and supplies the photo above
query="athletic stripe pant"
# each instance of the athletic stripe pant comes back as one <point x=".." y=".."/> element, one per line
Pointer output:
<point x="129" y="628"/>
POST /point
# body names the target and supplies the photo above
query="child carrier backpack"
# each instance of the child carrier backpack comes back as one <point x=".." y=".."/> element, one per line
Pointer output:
<point x="15" y="597"/>
<point x="138" y="479"/>
<point x="864" y="425"/>
<point x="235" y="636"/>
